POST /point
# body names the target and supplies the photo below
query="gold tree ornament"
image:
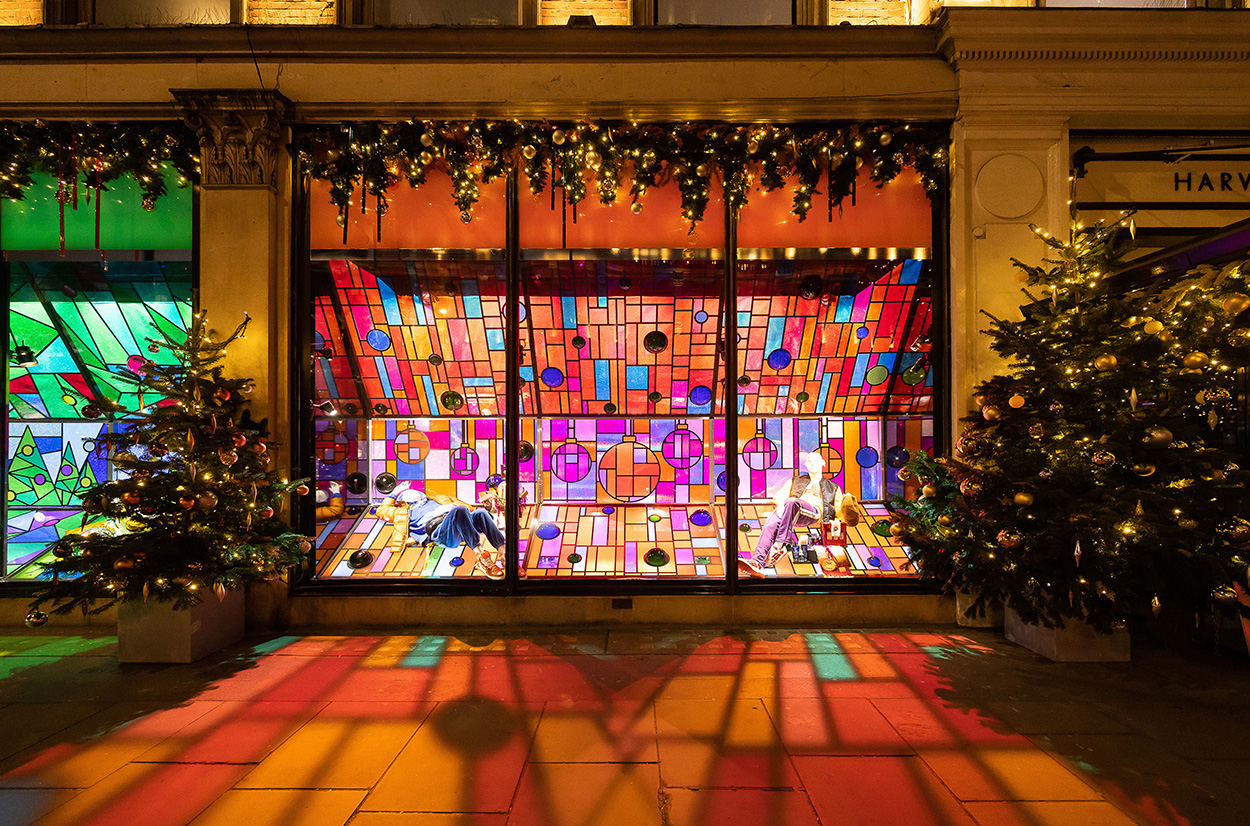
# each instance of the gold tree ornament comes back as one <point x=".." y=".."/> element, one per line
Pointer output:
<point x="1106" y="362"/>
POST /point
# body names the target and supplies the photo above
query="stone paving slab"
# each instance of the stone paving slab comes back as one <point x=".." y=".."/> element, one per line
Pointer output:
<point x="682" y="727"/>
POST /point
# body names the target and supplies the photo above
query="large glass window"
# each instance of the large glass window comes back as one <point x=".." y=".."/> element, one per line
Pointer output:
<point x="624" y="337"/>
<point x="409" y="382"/>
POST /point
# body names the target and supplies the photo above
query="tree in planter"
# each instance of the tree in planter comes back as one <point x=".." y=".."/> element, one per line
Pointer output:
<point x="197" y="509"/>
<point x="1098" y="477"/>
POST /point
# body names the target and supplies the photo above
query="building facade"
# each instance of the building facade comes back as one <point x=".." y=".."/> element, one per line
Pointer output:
<point x="640" y="428"/>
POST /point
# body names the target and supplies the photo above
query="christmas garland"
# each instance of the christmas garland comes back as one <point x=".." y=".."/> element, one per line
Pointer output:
<point x="373" y="157"/>
<point x="94" y="155"/>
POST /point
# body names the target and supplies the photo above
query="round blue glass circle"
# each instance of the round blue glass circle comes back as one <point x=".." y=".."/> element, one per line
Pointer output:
<point x="378" y="340"/>
<point x="874" y="561"/>
<point x="779" y="359"/>
<point x="700" y="395"/>
<point x="552" y="377"/>
<point x="861" y="332"/>
<point x="700" y="317"/>
<point x="721" y="480"/>
<point x="609" y="509"/>
<point x="457" y="561"/>
<point x="866" y="457"/>
<point x="701" y="518"/>
<point x="547" y="531"/>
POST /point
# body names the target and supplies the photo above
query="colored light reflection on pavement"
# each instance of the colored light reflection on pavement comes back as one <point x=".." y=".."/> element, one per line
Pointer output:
<point x="620" y="727"/>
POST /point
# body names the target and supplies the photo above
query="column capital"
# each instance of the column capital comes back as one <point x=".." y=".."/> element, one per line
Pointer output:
<point x="240" y="132"/>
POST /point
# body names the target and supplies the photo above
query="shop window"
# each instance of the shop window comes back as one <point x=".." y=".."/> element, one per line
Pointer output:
<point x="871" y="12"/>
<point x="73" y="321"/>
<point x="625" y="436"/>
<point x="724" y="12"/>
<point x="622" y="369"/>
<point x="291" y="12"/>
<point x="409" y="378"/>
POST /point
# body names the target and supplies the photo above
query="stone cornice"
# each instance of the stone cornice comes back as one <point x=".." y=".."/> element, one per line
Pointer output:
<point x="400" y="45"/>
<point x="240" y="132"/>
<point x="976" y="38"/>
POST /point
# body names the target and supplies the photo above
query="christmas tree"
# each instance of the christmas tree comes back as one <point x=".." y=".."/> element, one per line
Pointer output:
<point x="1100" y="476"/>
<point x="195" y="508"/>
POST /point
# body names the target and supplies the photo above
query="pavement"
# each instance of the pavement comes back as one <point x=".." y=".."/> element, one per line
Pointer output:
<point x="620" y="728"/>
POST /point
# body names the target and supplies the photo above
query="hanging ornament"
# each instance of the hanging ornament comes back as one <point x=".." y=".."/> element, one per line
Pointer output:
<point x="1224" y="596"/>
<point x="1166" y="336"/>
<point x="206" y="500"/>
<point x="1185" y="523"/>
<point x="130" y="497"/>
<point x="465" y="216"/>
<point x="1196" y="360"/>
<point x="1036" y="430"/>
<point x="123" y="563"/>
<point x="228" y="457"/>
<point x="1143" y="469"/>
<point x="1155" y="605"/>
<point x="991" y="413"/>
<point x="239" y="440"/>
<point x="1076" y="553"/>
<point x="265" y="513"/>
<point x="1239" y="338"/>
<point x="220" y="590"/>
<point x="1103" y="458"/>
<point x="36" y="619"/>
<point x="1008" y="538"/>
<point x="946" y="520"/>
<point x="1056" y="408"/>
<point x="427" y="140"/>
<point x="1023" y="498"/>
<point x="1213" y="419"/>
<point x="1236" y="303"/>
<point x="970" y="487"/>
<point x="558" y="137"/>
<point x="1106" y="362"/>
<point x="1016" y="402"/>
<point x="1157" y="436"/>
<point x="929" y="490"/>
<point x="221" y="394"/>
<point x="1045" y="473"/>
<point x="1153" y="327"/>
<point x="302" y="490"/>
<point x="91" y="411"/>
<point x="1139" y="510"/>
<point x="1215" y="396"/>
<point x="528" y="151"/>
<point x="1132" y="399"/>
<point x="636" y="207"/>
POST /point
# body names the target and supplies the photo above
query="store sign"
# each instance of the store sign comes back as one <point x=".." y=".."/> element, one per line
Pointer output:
<point x="1188" y="182"/>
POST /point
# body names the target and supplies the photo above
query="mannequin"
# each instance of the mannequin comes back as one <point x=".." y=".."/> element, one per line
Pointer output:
<point x="448" y="522"/>
<point x="804" y="501"/>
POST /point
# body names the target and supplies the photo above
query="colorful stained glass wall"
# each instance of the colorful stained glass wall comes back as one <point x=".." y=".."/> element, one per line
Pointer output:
<point x="409" y="338"/>
<point x="83" y="321"/>
<point x="636" y="338"/>
<point x="834" y="337"/>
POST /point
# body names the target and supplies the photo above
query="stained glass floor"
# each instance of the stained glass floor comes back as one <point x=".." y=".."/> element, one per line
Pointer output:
<point x="621" y="541"/>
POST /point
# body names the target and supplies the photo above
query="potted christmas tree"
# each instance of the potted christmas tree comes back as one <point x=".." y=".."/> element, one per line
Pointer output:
<point x="1100" y="478"/>
<point x="193" y="514"/>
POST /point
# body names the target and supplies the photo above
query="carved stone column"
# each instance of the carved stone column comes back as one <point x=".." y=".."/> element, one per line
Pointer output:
<point x="245" y="255"/>
<point x="240" y="134"/>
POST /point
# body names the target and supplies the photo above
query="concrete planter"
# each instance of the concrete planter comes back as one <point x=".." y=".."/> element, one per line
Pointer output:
<point x="1077" y="642"/>
<point x="991" y="616"/>
<point x="150" y="632"/>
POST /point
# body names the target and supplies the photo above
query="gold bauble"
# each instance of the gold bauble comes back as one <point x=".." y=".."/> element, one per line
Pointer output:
<point x="1224" y="596"/>
<point x="896" y="529"/>
<point x="1236" y="303"/>
<point x="1156" y="436"/>
<point x="1239" y="338"/>
<point x="991" y="413"/>
<point x="1016" y="402"/>
<point x="123" y="563"/>
<point x="1196" y="359"/>
<point x="1153" y="327"/>
<point x="1166" y="336"/>
<point x="1143" y="469"/>
<point x="1187" y="524"/>
<point x="929" y="490"/>
<point x="1106" y="362"/>
<point x="1023" y="499"/>
<point x="946" y="520"/>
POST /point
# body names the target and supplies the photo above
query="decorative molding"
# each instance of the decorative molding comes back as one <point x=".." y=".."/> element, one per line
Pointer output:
<point x="985" y="38"/>
<point x="240" y="132"/>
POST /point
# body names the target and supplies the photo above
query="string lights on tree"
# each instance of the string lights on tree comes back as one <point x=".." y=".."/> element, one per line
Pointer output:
<point x="1102" y="476"/>
<point x="195" y="508"/>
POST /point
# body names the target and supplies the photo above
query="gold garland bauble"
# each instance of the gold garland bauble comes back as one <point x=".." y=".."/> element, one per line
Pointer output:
<point x="1106" y="362"/>
<point x="1196" y="359"/>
